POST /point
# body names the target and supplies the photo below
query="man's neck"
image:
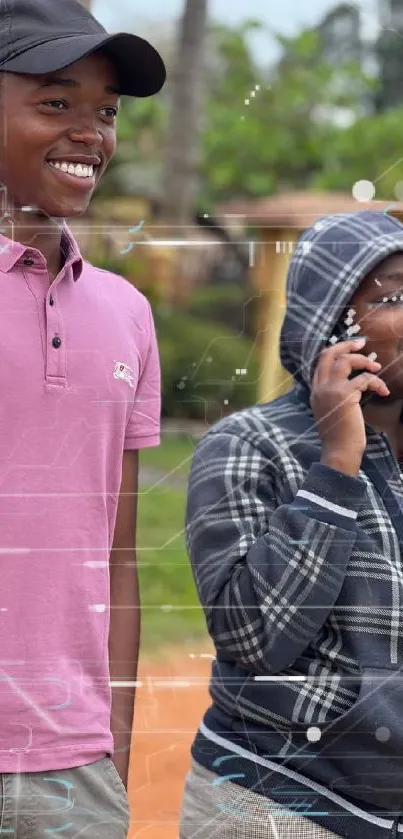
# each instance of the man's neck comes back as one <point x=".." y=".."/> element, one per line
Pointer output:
<point x="29" y="227"/>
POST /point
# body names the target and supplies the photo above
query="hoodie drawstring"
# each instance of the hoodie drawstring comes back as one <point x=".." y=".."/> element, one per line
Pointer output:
<point x="395" y="826"/>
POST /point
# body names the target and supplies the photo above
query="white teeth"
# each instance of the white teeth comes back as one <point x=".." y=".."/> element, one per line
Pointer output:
<point x="385" y="299"/>
<point x="79" y="170"/>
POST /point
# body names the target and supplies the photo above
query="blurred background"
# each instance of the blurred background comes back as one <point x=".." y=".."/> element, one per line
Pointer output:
<point x="273" y="115"/>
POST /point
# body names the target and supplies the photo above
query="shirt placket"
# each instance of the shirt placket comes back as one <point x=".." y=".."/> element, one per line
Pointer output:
<point x="50" y="315"/>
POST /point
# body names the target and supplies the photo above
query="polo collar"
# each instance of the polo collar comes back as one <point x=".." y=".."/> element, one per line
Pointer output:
<point x="12" y="252"/>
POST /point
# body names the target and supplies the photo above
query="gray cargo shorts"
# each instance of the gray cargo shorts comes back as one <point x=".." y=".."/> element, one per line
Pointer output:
<point x="86" y="801"/>
<point x="229" y="811"/>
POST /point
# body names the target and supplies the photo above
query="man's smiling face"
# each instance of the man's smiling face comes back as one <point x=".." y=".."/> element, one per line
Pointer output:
<point x="55" y="122"/>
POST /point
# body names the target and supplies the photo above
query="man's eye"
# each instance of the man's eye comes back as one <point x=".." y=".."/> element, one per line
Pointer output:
<point x="113" y="112"/>
<point x="56" y="102"/>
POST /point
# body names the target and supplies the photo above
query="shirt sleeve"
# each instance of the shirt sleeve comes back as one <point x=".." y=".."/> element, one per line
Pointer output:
<point x="267" y="575"/>
<point x="144" y="426"/>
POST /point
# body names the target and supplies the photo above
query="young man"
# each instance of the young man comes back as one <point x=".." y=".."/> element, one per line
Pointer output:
<point x="80" y="395"/>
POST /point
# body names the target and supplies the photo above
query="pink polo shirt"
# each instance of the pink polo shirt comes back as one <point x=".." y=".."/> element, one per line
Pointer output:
<point x="79" y="384"/>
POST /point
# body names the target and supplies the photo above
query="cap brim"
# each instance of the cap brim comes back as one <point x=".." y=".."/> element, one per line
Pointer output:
<point x="140" y="68"/>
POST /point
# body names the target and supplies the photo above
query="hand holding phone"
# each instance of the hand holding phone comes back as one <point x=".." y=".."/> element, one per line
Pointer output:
<point x="342" y="375"/>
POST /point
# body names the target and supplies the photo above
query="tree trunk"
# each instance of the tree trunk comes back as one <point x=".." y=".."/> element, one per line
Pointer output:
<point x="180" y="179"/>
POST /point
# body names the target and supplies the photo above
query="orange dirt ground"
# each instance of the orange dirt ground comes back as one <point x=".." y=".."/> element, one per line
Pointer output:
<point x="165" y="721"/>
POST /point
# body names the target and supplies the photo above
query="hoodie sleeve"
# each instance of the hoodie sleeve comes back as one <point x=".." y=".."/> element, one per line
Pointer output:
<point x="267" y="575"/>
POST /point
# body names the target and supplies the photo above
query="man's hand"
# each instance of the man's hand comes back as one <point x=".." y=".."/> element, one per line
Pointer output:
<point x="121" y="759"/>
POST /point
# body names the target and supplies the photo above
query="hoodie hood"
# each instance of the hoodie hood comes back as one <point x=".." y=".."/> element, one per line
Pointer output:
<point x="330" y="261"/>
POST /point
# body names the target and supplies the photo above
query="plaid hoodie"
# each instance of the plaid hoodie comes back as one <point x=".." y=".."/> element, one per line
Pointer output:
<point x="299" y="571"/>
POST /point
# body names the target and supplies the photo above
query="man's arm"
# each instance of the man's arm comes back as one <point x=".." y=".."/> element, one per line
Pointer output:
<point x="124" y="633"/>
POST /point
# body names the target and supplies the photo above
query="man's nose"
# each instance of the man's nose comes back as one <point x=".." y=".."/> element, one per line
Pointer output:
<point x="87" y="130"/>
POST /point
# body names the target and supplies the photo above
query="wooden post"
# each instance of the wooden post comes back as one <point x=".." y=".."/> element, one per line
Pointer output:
<point x="269" y="278"/>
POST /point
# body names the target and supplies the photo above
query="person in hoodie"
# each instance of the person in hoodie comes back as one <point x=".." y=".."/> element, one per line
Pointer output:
<point x="294" y="529"/>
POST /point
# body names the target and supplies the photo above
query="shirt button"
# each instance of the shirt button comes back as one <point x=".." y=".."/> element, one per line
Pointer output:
<point x="56" y="342"/>
<point x="28" y="261"/>
<point x="51" y="301"/>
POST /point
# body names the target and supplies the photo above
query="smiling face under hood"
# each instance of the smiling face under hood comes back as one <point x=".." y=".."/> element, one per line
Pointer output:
<point x="330" y="261"/>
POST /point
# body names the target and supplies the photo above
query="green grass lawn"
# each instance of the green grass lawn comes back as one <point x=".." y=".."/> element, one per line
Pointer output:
<point x="173" y="455"/>
<point x="171" y="612"/>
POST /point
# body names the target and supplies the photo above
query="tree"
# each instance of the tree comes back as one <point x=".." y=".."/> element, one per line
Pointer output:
<point x="269" y="130"/>
<point x="182" y="144"/>
<point x="370" y="149"/>
<point x="388" y="51"/>
<point x="262" y="129"/>
<point x="340" y="34"/>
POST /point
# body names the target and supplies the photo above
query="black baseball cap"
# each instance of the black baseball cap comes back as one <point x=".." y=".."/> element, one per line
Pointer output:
<point x="42" y="36"/>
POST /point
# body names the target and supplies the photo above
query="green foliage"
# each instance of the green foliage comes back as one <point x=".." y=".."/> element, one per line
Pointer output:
<point x="230" y="304"/>
<point x="278" y="140"/>
<point x="199" y="360"/>
<point x="170" y="607"/>
<point x="173" y="456"/>
<point x="290" y="136"/>
<point x="170" y="604"/>
<point x="370" y="149"/>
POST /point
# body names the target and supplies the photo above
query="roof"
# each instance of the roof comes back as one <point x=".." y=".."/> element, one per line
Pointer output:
<point x="300" y="209"/>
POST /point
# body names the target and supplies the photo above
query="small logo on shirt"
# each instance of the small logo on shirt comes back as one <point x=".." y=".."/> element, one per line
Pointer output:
<point x="124" y="373"/>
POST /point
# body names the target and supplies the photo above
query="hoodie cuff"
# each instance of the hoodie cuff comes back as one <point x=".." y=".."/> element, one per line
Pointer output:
<point x="331" y="496"/>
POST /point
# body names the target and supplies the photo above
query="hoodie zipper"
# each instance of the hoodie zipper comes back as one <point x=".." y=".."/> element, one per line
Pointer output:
<point x="396" y="515"/>
<point x="393" y="508"/>
<point x="380" y="482"/>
